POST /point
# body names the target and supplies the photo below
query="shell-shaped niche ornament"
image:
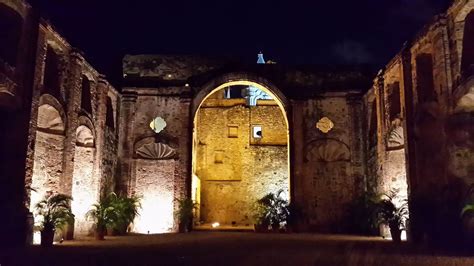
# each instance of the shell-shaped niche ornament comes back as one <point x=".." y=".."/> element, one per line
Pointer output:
<point x="396" y="138"/>
<point x="156" y="151"/>
<point x="158" y="124"/>
<point x="328" y="150"/>
<point x="325" y="125"/>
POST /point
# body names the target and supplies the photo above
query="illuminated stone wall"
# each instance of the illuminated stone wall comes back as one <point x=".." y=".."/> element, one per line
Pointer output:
<point x="155" y="185"/>
<point x="56" y="163"/>
<point x="109" y="161"/>
<point x="234" y="168"/>
<point x="47" y="171"/>
<point x="387" y="169"/>
<point x="158" y="180"/>
<point x="85" y="188"/>
<point x="394" y="175"/>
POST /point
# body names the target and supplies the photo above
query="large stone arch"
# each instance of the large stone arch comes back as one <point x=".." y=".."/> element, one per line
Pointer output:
<point x="54" y="109"/>
<point x="200" y="95"/>
<point x="214" y="83"/>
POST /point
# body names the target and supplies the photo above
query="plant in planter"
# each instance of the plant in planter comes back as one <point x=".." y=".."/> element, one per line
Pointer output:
<point x="388" y="213"/>
<point x="362" y="215"/>
<point x="126" y="208"/>
<point x="56" y="213"/>
<point x="271" y="210"/>
<point x="103" y="214"/>
<point x="185" y="213"/>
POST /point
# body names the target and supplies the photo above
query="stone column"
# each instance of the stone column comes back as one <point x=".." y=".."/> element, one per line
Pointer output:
<point x="102" y="89"/>
<point x="73" y="101"/>
<point x="381" y="129"/>
<point x="125" y="143"/>
<point x="183" y="167"/>
<point x="72" y="110"/>
<point x="36" y="93"/>
<point x="297" y="141"/>
<point x="356" y="142"/>
<point x="183" y="177"/>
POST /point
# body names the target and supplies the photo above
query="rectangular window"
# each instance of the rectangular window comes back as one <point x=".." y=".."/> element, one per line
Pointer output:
<point x="218" y="156"/>
<point x="233" y="131"/>
<point x="257" y="132"/>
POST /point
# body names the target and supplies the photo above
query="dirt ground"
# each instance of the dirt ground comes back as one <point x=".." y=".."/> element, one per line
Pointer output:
<point x="234" y="248"/>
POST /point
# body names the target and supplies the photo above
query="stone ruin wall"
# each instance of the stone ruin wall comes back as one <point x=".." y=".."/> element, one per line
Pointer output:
<point x="56" y="162"/>
<point x="158" y="181"/>
<point x="47" y="166"/>
<point x="235" y="169"/>
<point x="330" y="174"/>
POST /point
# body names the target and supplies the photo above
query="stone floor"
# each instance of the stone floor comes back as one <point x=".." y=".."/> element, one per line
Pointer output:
<point x="233" y="248"/>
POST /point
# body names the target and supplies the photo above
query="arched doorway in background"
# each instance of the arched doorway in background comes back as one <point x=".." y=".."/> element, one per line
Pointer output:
<point x="240" y="152"/>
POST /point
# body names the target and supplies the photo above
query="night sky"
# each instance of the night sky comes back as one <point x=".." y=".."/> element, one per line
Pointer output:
<point x="288" y="32"/>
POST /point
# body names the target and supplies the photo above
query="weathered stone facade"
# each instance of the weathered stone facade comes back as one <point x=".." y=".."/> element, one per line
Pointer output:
<point x="63" y="126"/>
<point x="326" y="170"/>
<point x="66" y="101"/>
<point x="423" y="104"/>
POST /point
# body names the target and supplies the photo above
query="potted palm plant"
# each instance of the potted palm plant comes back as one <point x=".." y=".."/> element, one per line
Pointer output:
<point x="103" y="214"/>
<point x="184" y="214"/>
<point x="56" y="213"/>
<point x="126" y="208"/>
<point x="389" y="214"/>
<point x="272" y="209"/>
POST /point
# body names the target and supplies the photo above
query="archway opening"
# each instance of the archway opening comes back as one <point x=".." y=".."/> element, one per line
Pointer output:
<point x="240" y="153"/>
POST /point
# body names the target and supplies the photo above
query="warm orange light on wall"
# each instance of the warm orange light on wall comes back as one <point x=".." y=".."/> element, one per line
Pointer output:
<point x="195" y="187"/>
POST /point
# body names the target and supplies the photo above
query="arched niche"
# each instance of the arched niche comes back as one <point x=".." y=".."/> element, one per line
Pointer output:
<point x="48" y="149"/>
<point x="327" y="163"/>
<point x="84" y="137"/>
<point x="148" y="148"/>
<point x="85" y="181"/>
<point x="49" y="119"/>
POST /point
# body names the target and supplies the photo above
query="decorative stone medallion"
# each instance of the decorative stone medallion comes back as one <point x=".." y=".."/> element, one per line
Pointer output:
<point x="325" y="125"/>
<point x="158" y="124"/>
